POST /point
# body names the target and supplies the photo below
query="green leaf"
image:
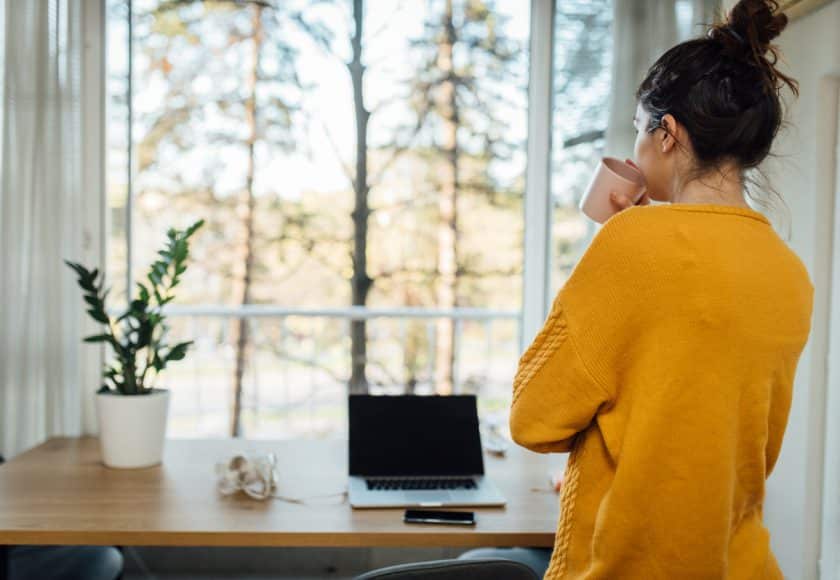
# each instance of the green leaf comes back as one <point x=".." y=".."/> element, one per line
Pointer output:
<point x="87" y="285"/>
<point x="180" y="251"/>
<point x="78" y="268"/>
<point x="178" y="352"/>
<point x="192" y="229"/>
<point x="98" y="315"/>
<point x="92" y="300"/>
<point x="98" y="338"/>
<point x="144" y="335"/>
<point x="143" y="292"/>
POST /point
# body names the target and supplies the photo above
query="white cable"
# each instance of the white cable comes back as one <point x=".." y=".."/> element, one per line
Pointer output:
<point x="257" y="478"/>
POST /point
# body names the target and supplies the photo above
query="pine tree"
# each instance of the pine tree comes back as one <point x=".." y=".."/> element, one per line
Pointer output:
<point x="466" y="59"/>
<point x="192" y="109"/>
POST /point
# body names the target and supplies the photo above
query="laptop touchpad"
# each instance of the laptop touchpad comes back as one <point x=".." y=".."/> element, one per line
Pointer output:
<point x="426" y="496"/>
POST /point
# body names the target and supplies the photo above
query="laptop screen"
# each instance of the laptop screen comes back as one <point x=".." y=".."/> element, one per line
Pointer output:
<point x="414" y="435"/>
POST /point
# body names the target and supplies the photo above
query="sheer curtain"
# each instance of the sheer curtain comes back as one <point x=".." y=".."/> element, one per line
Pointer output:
<point x="44" y="378"/>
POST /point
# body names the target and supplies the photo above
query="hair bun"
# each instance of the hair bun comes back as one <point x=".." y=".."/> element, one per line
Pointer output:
<point x="747" y="34"/>
<point x="756" y="22"/>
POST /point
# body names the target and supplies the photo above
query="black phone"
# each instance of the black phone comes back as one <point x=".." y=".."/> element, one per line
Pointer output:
<point x="439" y="517"/>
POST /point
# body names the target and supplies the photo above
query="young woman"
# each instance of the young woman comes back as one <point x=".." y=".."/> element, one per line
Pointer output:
<point x="666" y="364"/>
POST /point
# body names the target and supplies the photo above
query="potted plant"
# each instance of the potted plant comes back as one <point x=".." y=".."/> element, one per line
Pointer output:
<point x="130" y="409"/>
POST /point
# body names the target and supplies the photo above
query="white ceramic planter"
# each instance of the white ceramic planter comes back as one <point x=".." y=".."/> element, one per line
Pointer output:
<point x="132" y="429"/>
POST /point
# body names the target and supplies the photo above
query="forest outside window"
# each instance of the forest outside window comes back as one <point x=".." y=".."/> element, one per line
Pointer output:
<point x="361" y="169"/>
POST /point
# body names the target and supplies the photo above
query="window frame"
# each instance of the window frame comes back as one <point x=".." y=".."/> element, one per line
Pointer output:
<point x="536" y="270"/>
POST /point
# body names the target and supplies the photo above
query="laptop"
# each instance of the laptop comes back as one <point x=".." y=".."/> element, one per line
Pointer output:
<point x="417" y="451"/>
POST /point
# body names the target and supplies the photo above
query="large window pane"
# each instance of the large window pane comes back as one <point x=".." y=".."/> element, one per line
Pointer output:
<point x="379" y="171"/>
<point x="117" y="139"/>
<point x="582" y="61"/>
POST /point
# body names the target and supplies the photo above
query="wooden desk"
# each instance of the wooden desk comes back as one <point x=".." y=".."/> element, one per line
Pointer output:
<point x="60" y="493"/>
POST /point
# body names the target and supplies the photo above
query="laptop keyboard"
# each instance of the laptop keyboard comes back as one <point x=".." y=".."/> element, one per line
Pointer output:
<point x="395" y="484"/>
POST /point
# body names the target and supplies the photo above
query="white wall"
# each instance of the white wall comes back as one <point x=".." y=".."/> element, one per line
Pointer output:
<point x="811" y="48"/>
<point x="829" y="152"/>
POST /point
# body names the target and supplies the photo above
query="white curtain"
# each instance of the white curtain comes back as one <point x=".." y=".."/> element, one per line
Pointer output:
<point x="41" y="223"/>
<point x="642" y="31"/>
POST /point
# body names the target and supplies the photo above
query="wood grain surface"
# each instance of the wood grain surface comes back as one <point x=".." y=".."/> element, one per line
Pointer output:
<point x="61" y="493"/>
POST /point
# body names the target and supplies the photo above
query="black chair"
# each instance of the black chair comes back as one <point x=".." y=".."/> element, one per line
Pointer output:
<point x="4" y="551"/>
<point x="478" y="569"/>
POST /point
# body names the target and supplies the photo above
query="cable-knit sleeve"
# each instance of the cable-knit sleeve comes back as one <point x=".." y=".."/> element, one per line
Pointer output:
<point x="554" y="396"/>
<point x="570" y="369"/>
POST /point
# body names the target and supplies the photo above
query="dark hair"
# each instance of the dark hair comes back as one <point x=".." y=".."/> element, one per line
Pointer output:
<point x="724" y="88"/>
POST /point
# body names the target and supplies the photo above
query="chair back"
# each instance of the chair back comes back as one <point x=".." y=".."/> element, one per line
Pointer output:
<point x="477" y="569"/>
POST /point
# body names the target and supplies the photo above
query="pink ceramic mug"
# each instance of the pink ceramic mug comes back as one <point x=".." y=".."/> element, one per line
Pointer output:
<point x="612" y="175"/>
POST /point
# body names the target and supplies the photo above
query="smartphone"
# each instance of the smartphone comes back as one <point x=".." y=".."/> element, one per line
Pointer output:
<point x="439" y="517"/>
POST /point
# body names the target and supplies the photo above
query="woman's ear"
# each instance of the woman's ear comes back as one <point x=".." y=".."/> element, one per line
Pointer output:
<point x="669" y="132"/>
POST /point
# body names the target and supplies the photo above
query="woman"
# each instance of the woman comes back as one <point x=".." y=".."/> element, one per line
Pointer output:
<point x="667" y="361"/>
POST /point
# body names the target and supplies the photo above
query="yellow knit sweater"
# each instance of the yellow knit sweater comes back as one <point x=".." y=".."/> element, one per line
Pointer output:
<point x="666" y="367"/>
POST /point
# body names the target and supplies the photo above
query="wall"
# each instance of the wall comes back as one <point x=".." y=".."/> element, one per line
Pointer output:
<point x="811" y="49"/>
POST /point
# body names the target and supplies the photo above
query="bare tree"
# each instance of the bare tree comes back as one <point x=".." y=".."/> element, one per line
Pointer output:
<point x="360" y="280"/>
<point x="459" y="98"/>
<point x="261" y="106"/>
<point x="362" y="183"/>
<point x="247" y="211"/>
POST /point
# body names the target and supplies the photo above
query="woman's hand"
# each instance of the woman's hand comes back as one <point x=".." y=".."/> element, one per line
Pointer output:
<point x="622" y="201"/>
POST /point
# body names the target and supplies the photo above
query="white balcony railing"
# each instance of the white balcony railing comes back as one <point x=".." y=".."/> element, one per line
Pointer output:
<point x="298" y="363"/>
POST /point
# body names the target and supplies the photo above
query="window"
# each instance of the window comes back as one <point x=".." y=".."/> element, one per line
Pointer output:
<point x="582" y="74"/>
<point x="362" y="179"/>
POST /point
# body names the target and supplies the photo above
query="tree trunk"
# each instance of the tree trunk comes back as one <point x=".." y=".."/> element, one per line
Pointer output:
<point x="412" y="343"/>
<point x="247" y="211"/>
<point x="360" y="282"/>
<point x="447" y="234"/>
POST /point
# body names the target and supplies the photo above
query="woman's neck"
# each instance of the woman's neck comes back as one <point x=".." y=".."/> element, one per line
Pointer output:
<point x="722" y="187"/>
